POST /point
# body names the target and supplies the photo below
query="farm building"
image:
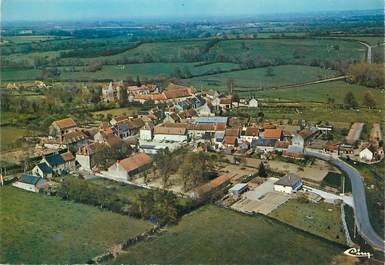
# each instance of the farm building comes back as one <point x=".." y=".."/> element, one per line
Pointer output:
<point x="130" y="166"/>
<point x="204" y="190"/>
<point x="288" y="184"/>
<point x="29" y="183"/>
<point x="61" y="127"/>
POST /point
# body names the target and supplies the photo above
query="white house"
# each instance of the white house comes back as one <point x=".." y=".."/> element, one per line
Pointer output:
<point x="366" y="154"/>
<point x="288" y="184"/>
<point x="126" y="168"/>
<point x="42" y="170"/>
<point x="253" y="103"/>
<point x="171" y="134"/>
<point x="29" y="183"/>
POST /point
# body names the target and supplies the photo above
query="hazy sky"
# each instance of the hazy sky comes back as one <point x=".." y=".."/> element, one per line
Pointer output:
<point x="110" y="9"/>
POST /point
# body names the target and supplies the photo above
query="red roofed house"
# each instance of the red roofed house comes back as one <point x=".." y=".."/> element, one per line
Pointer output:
<point x="60" y="127"/>
<point x="126" y="168"/>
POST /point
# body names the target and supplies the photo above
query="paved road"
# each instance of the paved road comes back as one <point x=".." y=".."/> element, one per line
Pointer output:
<point x="369" y="52"/>
<point x="364" y="226"/>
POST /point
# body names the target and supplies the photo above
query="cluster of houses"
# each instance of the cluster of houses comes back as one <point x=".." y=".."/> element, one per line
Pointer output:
<point x="185" y="118"/>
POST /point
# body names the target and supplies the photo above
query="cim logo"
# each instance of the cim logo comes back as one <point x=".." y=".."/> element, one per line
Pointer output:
<point x="355" y="252"/>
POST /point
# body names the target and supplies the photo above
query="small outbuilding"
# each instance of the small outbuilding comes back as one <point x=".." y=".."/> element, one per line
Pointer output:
<point x="29" y="183"/>
<point x="238" y="189"/>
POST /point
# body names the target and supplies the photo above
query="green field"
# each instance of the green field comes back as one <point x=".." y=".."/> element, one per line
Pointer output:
<point x="316" y="113"/>
<point x="212" y="235"/>
<point x="9" y="135"/>
<point x="146" y="70"/>
<point x="117" y="112"/>
<point x="249" y="81"/>
<point x="370" y="40"/>
<point x="20" y="75"/>
<point x="306" y="49"/>
<point x="321" y="92"/>
<point x="40" y="229"/>
<point x="161" y="51"/>
<point x="320" y="219"/>
<point x="29" y="38"/>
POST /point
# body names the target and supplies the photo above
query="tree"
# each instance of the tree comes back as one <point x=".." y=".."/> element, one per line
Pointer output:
<point x="230" y="84"/>
<point x="123" y="97"/>
<point x="236" y="98"/>
<point x="270" y="72"/>
<point x="138" y="83"/>
<point x="350" y="101"/>
<point x="262" y="170"/>
<point x="369" y="100"/>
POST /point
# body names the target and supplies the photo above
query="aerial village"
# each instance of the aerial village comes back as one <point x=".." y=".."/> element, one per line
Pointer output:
<point x="258" y="164"/>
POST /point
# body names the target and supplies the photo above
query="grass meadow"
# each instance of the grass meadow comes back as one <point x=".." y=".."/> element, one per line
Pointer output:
<point x="39" y="229"/>
<point x="213" y="235"/>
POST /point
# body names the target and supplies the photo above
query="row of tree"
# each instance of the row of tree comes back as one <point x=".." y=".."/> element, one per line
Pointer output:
<point x="157" y="206"/>
<point x="370" y="75"/>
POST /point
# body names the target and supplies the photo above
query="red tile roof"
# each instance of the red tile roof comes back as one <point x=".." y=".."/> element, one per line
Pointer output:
<point x="177" y="93"/>
<point x="73" y="137"/>
<point x="232" y="132"/>
<point x="219" y="180"/>
<point x="67" y="156"/>
<point x="251" y="131"/>
<point x="170" y="130"/>
<point x="230" y="140"/>
<point x="135" y="161"/>
<point x="65" y="123"/>
<point x="272" y="133"/>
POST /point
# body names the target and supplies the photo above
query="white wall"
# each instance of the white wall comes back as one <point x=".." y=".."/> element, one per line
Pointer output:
<point x="366" y="155"/>
<point x="170" y="137"/>
<point x="284" y="189"/>
<point x="25" y="186"/>
<point x="117" y="171"/>
<point x="84" y="161"/>
<point x="145" y="134"/>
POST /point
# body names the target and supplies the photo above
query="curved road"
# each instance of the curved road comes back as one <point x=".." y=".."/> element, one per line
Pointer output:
<point x="364" y="226"/>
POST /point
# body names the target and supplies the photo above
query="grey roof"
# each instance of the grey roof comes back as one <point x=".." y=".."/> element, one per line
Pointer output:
<point x="44" y="167"/>
<point x="55" y="160"/>
<point x="29" y="179"/>
<point x="238" y="187"/>
<point x="211" y="119"/>
<point x="288" y="180"/>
